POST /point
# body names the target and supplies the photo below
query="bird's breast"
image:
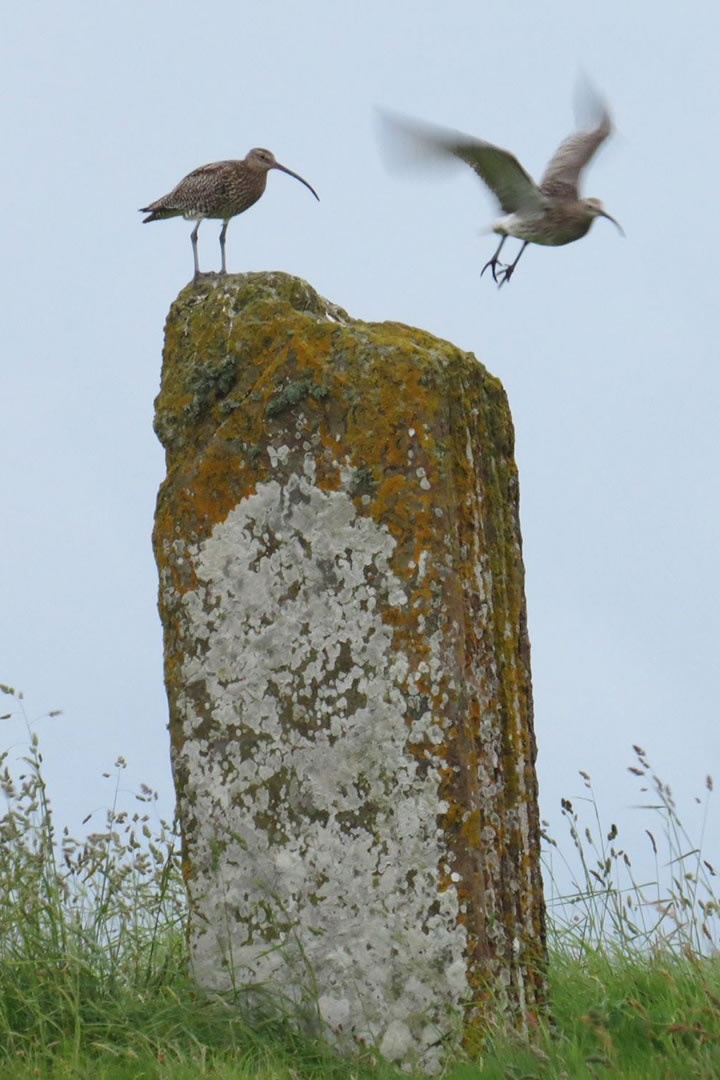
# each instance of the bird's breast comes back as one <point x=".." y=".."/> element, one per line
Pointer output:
<point x="556" y="225"/>
<point x="519" y="225"/>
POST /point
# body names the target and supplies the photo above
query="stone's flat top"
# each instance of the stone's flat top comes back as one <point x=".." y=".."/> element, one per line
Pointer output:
<point x="273" y="285"/>
<point x="244" y="333"/>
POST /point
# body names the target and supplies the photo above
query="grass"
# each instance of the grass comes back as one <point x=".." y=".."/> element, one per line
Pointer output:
<point x="92" y="956"/>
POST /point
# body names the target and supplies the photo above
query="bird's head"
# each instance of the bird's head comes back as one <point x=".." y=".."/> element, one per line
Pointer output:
<point x="262" y="160"/>
<point x="596" y="209"/>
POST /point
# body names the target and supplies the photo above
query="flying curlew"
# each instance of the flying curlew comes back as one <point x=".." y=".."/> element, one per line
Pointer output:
<point x="550" y="213"/>
<point x="220" y="190"/>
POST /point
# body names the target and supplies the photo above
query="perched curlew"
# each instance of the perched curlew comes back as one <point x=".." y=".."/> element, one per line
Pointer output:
<point x="549" y="213"/>
<point x="220" y="190"/>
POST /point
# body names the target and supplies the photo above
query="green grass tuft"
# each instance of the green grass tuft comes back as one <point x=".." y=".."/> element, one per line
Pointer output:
<point x="93" y="982"/>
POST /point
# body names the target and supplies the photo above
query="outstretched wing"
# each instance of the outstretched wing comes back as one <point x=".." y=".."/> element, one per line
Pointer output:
<point x="413" y="142"/>
<point x="501" y="171"/>
<point x="562" y="176"/>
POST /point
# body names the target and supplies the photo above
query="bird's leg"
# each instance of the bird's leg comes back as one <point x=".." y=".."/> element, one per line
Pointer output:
<point x="492" y="263"/>
<point x="223" y="231"/>
<point x="193" y="241"/>
<point x="506" y="274"/>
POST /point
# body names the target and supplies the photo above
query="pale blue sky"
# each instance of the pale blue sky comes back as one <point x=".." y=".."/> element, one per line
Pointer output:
<point x="608" y="348"/>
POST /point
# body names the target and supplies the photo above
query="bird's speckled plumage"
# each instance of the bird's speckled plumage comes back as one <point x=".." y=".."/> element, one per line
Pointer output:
<point x="550" y="213"/>
<point x="221" y="190"/>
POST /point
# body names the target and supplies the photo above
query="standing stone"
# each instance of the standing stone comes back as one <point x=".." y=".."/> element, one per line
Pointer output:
<point x="347" y="665"/>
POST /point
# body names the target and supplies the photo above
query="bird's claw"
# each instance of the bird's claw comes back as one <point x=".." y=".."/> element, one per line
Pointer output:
<point x="505" y="276"/>
<point x="505" y="271"/>
<point x="492" y="263"/>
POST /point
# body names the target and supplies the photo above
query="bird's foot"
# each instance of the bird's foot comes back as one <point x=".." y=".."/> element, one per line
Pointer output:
<point x="497" y="267"/>
<point x="493" y="264"/>
<point x="505" y="275"/>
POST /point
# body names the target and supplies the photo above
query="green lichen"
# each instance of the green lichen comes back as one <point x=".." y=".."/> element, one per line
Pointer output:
<point x="293" y="392"/>
<point x="363" y="481"/>
<point x="210" y="382"/>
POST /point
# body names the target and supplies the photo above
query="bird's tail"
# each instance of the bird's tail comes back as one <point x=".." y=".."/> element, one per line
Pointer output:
<point x="157" y="213"/>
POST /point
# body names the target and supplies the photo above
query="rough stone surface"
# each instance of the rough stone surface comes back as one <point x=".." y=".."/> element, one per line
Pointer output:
<point x="347" y="664"/>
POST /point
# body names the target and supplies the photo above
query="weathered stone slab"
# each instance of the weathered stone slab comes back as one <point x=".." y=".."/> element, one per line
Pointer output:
<point x="347" y="664"/>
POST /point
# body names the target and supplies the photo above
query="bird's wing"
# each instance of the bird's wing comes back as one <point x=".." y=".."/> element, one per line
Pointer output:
<point x="196" y="183"/>
<point x="513" y="188"/>
<point x="412" y="142"/>
<point x="215" y="168"/>
<point x="562" y="176"/>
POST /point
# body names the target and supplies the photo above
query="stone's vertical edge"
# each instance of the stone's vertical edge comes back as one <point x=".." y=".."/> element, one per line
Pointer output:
<point x="347" y="664"/>
<point x="500" y="819"/>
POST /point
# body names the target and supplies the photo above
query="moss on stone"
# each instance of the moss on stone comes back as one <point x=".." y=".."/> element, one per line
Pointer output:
<point x="261" y="376"/>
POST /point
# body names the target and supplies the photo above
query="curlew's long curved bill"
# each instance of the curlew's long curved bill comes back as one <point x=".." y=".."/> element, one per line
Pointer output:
<point x="618" y="226"/>
<point x="282" y="168"/>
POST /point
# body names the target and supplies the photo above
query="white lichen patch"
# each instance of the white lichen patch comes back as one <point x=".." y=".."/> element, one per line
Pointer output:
<point x="312" y="827"/>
